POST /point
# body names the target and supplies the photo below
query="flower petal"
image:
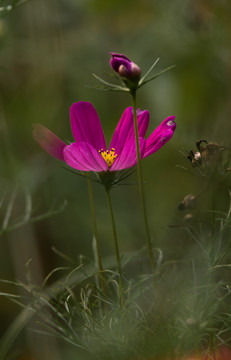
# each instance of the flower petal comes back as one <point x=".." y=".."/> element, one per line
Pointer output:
<point x="127" y="157"/>
<point x="84" y="157"/>
<point x="49" y="141"/>
<point x="125" y="128"/>
<point x="160" y="136"/>
<point x="119" y="59"/>
<point x="143" y="121"/>
<point x="86" y="125"/>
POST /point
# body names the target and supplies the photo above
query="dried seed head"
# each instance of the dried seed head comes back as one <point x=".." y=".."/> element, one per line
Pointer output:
<point x="189" y="202"/>
<point x="188" y="217"/>
<point x="195" y="158"/>
<point x="210" y="159"/>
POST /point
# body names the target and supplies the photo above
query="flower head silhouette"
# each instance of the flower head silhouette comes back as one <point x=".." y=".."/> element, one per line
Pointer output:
<point x="89" y="152"/>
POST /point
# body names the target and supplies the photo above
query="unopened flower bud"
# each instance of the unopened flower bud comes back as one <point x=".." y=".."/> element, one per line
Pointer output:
<point x="127" y="69"/>
<point x="123" y="71"/>
<point x="135" y="71"/>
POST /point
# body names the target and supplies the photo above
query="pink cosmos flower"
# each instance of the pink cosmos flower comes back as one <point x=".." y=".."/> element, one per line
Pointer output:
<point x="89" y="152"/>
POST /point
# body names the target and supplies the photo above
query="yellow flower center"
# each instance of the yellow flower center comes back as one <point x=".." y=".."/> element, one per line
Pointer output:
<point x="109" y="156"/>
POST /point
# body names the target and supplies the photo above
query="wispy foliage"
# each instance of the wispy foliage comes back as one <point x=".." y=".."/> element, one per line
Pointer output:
<point x="6" y="6"/>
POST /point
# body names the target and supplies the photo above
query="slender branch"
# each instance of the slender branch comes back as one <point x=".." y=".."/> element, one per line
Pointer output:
<point x="116" y="246"/>
<point x="140" y="180"/>
<point x="95" y="230"/>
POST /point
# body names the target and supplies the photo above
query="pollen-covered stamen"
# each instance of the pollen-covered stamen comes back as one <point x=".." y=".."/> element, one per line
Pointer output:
<point x="109" y="156"/>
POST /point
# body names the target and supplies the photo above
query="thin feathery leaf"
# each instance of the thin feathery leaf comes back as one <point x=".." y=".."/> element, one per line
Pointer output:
<point x="222" y="266"/>
<point x="53" y="272"/>
<point x="47" y="295"/>
<point x="2" y="199"/>
<point x="107" y="83"/>
<point x="6" y="228"/>
<point x="72" y="272"/>
<point x="9" y="210"/>
<point x="14" y="330"/>
<point x="79" y="173"/>
<point x="51" y="212"/>
<point x="103" y="88"/>
<point x="10" y="282"/>
<point x="60" y="336"/>
<point x="9" y="295"/>
<point x="149" y="70"/>
<point x="28" y="207"/>
<point x="157" y="75"/>
<point x="62" y="255"/>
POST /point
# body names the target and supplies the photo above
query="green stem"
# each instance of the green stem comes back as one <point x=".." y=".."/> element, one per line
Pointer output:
<point x="95" y="231"/>
<point x="116" y="246"/>
<point x="140" y="180"/>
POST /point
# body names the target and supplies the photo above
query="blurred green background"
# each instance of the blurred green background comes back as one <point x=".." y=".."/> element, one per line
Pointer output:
<point x="49" y="50"/>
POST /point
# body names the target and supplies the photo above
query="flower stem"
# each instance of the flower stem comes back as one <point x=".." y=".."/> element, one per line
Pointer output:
<point x="116" y="246"/>
<point x="95" y="231"/>
<point x="140" y="180"/>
